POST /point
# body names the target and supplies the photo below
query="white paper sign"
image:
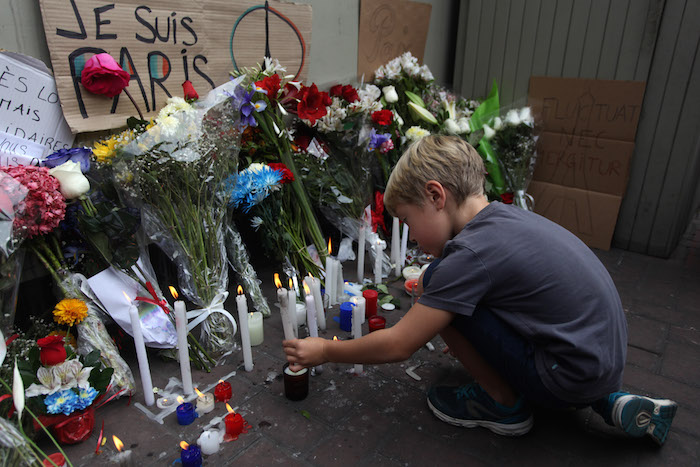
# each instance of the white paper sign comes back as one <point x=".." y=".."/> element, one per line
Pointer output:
<point x="18" y="151"/>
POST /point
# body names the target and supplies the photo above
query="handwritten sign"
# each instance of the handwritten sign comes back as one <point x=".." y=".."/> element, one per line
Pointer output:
<point x="389" y="28"/>
<point x="163" y="43"/>
<point x="31" y="120"/>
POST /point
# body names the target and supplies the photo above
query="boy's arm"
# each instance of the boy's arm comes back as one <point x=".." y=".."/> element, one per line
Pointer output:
<point x="394" y="344"/>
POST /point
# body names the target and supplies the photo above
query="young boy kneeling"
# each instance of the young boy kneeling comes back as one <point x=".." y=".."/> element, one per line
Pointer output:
<point x="525" y="306"/>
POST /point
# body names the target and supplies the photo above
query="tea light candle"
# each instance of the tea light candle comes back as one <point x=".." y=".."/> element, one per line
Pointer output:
<point x="123" y="458"/>
<point x="222" y="391"/>
<point x="255" y="328"/>
<point x="376" y="323"/>
<point x="283" y="299"/>
<point x="141" y="353"/>
<point x="296" y="383"/>
<point x="182" y="345"/>
<point x="190" y="456"/>
<point x="209" y="442"/>
<point x="205" y="402"/>
<point x="242" y="306"/>
<point x="185" y="412"/>
<point x="168" y="401"/>
<point x="234" y="423"/>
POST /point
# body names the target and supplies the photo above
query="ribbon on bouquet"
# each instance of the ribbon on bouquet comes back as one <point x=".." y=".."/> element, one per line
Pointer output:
<point x="216" y="306"/>
<point x="161" y="303"/>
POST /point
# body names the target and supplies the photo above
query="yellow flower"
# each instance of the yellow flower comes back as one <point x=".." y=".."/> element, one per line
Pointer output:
<point x="104" y="151"/>
<point x="70" y="311"/>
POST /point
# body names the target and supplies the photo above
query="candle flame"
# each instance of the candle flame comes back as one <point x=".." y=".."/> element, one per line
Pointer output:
<point x="173" y="292"/>
<point x="230" y="410"/>
<point x="251" y="314"/>
<point x="127" y="297"/>
<point x="335" y="338"/>
<point x="199" y="393"/>
<point x="180" y="400"/>
<point x="291" y="284"/>
<point x="278" y="282"/>
<point x="240" y="290"/>
<point x="307" y="291"/>
<point x="221" y="381"/>
<point x="329" y="246"/>
<point x="118" y="443"/>
<point x="184" y="445"/>
<point x="311" y="275"/>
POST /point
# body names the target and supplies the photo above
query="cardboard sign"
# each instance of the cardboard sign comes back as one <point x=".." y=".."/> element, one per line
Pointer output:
<point x="163" y="43"/>
<point x="389" y="28"/>
<point x="586" y="107"/>
<point x="589" y="215"/>
<point x="31" y="120"/>
<point x="594" y="164"/>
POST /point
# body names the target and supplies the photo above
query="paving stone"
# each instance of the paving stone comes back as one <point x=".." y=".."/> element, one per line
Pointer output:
<point x="266" y="452"/>
<point x="646" y="333"/>
<point x="682" y="362"/>
<point x="642" y="358"/>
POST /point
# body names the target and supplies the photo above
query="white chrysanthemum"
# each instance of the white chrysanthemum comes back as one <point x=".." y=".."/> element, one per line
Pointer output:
<point x="415" y="133"/>
<point x="175" y="104"/>
<point x="464" y="126"/>
<point x="512" y="118"/>
<point x="168" y="126"/>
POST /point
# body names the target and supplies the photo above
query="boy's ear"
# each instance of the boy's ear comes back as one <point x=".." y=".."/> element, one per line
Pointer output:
<point x="435" y="193"/>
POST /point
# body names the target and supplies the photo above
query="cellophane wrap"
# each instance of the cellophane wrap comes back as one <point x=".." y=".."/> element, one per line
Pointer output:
<point x="240" y="262"/>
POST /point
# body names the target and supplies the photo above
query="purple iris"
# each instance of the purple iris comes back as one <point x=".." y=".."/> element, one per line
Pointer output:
<point x="377" y="139"/>
<point x="80" y="155"/>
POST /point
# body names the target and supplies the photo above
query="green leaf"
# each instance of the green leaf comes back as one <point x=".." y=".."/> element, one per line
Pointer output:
<point x="396" y="302"/>
<point x="306" y="414"/>
<point x="92" y="359"/>
<point x="382" y="288"/>
<point x="386" y="299"/>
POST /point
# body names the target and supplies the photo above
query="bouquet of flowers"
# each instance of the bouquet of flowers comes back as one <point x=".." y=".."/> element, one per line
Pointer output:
<point x="514" y="141"/>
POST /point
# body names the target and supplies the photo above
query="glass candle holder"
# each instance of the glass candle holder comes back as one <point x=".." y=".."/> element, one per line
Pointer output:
<point x="371" y="302"/>
<point x="376" y="323"/>
<point x="296" y="383"/>
<point x="186" y="413"/>
<point x="191" y="457"/>
<point x="222" y="392"/>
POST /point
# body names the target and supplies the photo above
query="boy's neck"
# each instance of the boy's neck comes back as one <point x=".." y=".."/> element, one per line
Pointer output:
<point x="466" y="211"/>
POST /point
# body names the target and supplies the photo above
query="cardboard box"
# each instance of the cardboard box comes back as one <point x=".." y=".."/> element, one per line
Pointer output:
<point x="589" y="215"/>
<point x="32" y="125"/>
<point x="595" y="164"/>
<point x="586" y="107"/>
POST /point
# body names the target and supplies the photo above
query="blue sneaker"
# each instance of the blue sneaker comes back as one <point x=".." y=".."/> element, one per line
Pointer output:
<point x="470" y="406"/>
<point x="638" y="415"/>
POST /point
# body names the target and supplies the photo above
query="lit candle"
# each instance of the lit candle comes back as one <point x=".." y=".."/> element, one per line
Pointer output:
<point x="185" y="412"/>
<point x="283" y="299"/>
<point x="380" y="245"/>
<point x="123" y="458"/>
<point x="182" y="346"/>
<point x="205" y="402"/>
<point x="167" y="401"/>
<point x="404" y="243"/>
<point x="361" y="254"/>
<point x="360" y="304"/>
<point x="242" y="306"/>
<point x="209" y="442"/>
<point x="222" y="391"/>
<point x="292" y="308"/>
<point x="255" y="328"/>
<point x="310" y="311"/>
<point x="357" y="320"/>
<point x="396" y="246"/>
<point x="190" y="456"/>
<point x="234" y="423"/>
<point x="315" y="285"/>
<point x="330" y="277"/>
<point x="141" y="353"/>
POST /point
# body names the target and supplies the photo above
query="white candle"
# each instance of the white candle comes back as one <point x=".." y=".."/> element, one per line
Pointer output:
<point x="361" y="254"/>
<point x="292" y="309"/>
<point x="283" y="299"/>
<point x="404" y="243"/>
<point x="205" y="403"/>
<point x="141" y="353"/>
<point x="168" y="401"/>
<point x="255" y="328"/>
<point x="301" y="313"/>
<point x="359" y="302"/>
<point x="357" y="319"/>
<point x="330" y="277"/>
<point x="396" y="246"/>
<point x="242" y="306"/>
<point x="310" y="310"/>
<point x="182" y="346"/>
<point x="340" y="282"/>
<point x="209" y="441"/>
<point x="320" y="312"/>
<point x="379" y="246"/>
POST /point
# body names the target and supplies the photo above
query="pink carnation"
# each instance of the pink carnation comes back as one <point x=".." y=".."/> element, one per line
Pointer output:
<point x="386" y="146"/>
<point x="44" y="206"/>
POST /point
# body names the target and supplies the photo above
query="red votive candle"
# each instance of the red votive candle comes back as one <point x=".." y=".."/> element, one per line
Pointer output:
<point x="234" y="424"/>
<point x="376" y="323"/>
<point x="222" y="391"/>
<point x="409" y="285"/>
<point x="370" y="302"/>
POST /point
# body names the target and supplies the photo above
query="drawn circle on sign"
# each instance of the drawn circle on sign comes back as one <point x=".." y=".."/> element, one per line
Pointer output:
<point x="289" y="22"/>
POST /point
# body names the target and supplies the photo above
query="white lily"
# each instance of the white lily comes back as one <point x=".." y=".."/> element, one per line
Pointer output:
<point x="512" y="118"/>
<point x="17" y="391"/>
<point x="451" y="109"/>
<point x="49" y="383"/>
<point x="489" y="132"/>
<point x="422" y="113"/>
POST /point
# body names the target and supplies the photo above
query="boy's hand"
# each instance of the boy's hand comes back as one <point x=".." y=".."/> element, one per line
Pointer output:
<point x="304" y="352"/>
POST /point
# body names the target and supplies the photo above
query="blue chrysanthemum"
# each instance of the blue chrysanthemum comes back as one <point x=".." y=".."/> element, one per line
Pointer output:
<point x="64" y="402"/>
<point x="252" y="187"/>
<point x="85" y="397"/>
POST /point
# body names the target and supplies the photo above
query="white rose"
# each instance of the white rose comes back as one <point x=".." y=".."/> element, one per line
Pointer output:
<point x="512" y="118"/>
<point x="497" y="123"/>
<point x="390" y="94"/>
<point x="73" y="183"/>
<point x="464" y="125"/>
<point x="488" y="132"/>
<point x="526" y="116"/>
<point x="397" y="118"/>
<point x="451" y="127"/>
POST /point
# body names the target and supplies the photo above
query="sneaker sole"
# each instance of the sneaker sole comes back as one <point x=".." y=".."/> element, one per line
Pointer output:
<point x="639" y="416"/>
<point x="509" y="429"/>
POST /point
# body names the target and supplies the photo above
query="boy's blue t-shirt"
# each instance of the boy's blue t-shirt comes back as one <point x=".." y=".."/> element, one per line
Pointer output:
<point x="546" y="284"/>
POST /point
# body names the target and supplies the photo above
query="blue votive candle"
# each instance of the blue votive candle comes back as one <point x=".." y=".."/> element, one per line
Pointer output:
<point x="346" y="316"/>
<point x="186" y="413"/>
<point x="191" y="456"/>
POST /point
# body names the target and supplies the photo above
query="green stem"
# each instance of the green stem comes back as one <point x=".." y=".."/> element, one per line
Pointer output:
<point x="47" y="265"/>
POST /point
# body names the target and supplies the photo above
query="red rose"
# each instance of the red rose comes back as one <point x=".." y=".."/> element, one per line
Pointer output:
<point x="346" y="92"/>
<point x="287" y="175"/>
<point x="507" y="198"/>
<point x="312" y="103"/>
<point x="271" y="84"/>
<point x="190" y="93"/>
<point x="103" y="75"/>
<point x="52" y="352"/>
<point x="382" y="117"/>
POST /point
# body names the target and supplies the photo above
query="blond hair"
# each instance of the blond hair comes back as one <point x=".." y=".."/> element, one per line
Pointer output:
<point x="449" y="160"/>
